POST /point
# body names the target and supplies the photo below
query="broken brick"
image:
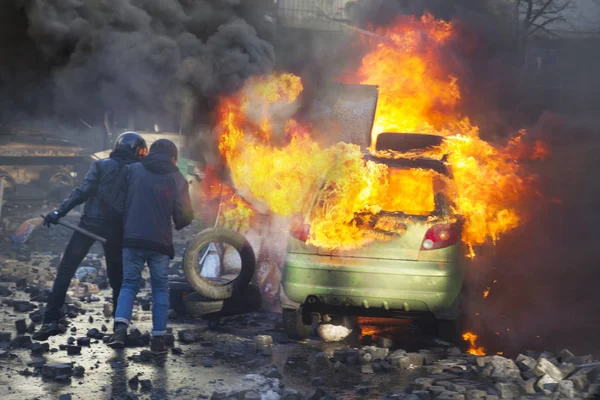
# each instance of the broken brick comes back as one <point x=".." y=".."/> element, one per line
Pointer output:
<point x="21" y="326"/>
<point x="73" y="350"/>
<point x="57" y="370"/>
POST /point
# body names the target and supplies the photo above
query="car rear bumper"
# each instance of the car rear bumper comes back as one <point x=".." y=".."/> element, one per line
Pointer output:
<point x="409" y="286"/>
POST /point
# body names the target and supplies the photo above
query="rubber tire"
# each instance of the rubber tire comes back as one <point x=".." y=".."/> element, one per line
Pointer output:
<point x="293" y="325"/>
<point x="206" y="287"/>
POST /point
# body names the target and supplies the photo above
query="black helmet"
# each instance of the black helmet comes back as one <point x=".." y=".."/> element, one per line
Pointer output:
<point x="134" y="142"/>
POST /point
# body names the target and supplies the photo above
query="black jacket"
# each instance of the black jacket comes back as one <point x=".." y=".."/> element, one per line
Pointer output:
<point x="156" y="193"/>
<point x="98" y="179"/>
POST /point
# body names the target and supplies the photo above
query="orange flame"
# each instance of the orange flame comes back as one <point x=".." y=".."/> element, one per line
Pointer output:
<point x="419" y="95"/>
<point x="473" y="349"/>
<point x="288" y="179"/>
<point x="275" y="164"/>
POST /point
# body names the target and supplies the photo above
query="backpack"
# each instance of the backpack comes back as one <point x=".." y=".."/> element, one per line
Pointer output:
<point x="112" y="194"/>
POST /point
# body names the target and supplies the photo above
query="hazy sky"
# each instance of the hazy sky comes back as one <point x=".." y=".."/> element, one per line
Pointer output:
<point x="583" y="15"/>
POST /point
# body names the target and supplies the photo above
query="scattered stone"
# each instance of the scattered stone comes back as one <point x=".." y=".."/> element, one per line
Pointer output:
<point x="104" y="329"/>
<point x="545" y="367"/>
<point x="83" y="341"/>
<point x="5" y="291"/>
<point x="508" y="390"/>
<point x="476" y="394"/>
<point x="409" y="361"/>
<point x="5" y="337"/>
<point x="333" y="333"/>
<point x="22" y="342"/>
<point x="272" y="372"/>
<point x="499" y="368"/>
<point x="581" y="360"/>
<point x="73" y="350"/>
<point x="454" y="351"/>
<point x="39" y="348"/>
<point x="57" y="370"/>
<point x="31" y="328"/>
<point x="66" y="396"/>
<point x="528" y="386"/>
<point x="208" y="363"/>
<point x="71" y="340"/>
<point x="187" y="336"/>
<point x="78" y="372"/>
<point x="547" y="385"/>
<point x="176" y="351"/>
<point x="94" y="334"/>
<point x="525" y="362"/>
<point x="263" y="343"/>
<point x="107" y="310"/>
<point x="566" y="389"/>
<point x="23" y="306"/>
<point x="564" y="355"/>
<point x="367" y="369"/>
<point x="145" y="384"/>
<point x="21" y="326"/>
<point x="146" y="356"/>
<point x="377" y="353"/>
<point x="583" y="377"/>
<point x="134" y="382"/>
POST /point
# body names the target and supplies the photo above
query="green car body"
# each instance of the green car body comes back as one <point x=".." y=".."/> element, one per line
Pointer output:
<point x="391" y="278"/>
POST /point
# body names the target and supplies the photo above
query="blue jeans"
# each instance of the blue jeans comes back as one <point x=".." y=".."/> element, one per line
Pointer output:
<point x="134" y="260"/>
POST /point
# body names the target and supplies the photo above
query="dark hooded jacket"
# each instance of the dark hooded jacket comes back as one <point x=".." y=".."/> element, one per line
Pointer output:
<point x="98" y="180"/>
<point x="157" y="193"/>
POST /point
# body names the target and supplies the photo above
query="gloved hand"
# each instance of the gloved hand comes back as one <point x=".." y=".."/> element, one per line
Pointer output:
<point x="52" y="218"/>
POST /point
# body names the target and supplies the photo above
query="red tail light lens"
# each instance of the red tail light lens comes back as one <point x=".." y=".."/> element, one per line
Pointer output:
<point x="300" y="231"/>
<point x="440" y="236"/>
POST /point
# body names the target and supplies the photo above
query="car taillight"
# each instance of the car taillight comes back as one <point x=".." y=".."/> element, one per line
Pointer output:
<point x="300" y="231"/>
<point x="440" y="236"/>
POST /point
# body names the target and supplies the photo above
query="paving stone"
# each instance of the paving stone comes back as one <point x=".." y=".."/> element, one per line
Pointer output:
<point x="57" y="370"/>
<point x="134" y="383"/>
<point x="176" y="351"/>
<point x="547" y="385"/>
<point x="21" y="326"/>
<point x="583" y="377"/>
<point x="39" y="348"/>
<point x="83" y="341"/>
<point x="525" y="362"/>
<point x="145" y="384"/>
<point x="545" y="367"/>
<point x="528" y="386"/>
<point x="146" y="356"/>
<point x="78" y="372"/>
<point x="564" y="354"/>
<point x="5" y="337"/>
<point x="73" y="350"/>
<point x="566" y="389"/>
<point x="5" y="291"/>
<point x="508" y="390"/>
<point x="367" y="369"/>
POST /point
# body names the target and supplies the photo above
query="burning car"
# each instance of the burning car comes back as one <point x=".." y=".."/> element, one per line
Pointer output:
<point x="413" y="270"/>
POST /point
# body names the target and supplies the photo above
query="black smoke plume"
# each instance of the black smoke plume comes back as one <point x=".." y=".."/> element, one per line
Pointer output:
<point x="77" y="59"/>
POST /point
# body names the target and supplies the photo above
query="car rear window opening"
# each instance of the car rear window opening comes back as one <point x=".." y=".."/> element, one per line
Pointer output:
<point x="411" y="191"/>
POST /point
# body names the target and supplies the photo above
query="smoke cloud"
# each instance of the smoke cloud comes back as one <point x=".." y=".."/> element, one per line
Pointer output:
<point x="77" y="59"/>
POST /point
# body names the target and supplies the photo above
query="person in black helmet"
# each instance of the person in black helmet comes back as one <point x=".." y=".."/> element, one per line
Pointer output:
<point x="98" y="217"/>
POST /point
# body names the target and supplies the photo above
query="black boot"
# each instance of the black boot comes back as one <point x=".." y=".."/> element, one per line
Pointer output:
<point x="47" y="329"/>
<point x="118" y="339"/>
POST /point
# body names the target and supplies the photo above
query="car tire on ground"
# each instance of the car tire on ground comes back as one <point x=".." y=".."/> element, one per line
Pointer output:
<point x="210" y="288"/>
<point x="293" y="325"/>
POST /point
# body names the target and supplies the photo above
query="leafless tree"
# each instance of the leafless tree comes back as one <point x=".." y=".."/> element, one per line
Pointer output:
<point x="537" y="16"/>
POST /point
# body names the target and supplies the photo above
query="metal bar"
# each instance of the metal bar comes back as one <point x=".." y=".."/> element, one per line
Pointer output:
<point x="81" y="230"/>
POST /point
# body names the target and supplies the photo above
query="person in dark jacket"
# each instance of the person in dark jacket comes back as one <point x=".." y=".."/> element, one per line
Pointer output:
<point x="157" y="193"/>
<point x="129" y="148"/>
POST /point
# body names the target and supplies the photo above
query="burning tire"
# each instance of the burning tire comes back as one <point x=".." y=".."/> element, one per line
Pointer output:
<point x="213" y="288"/>
<point x="293" y="325"/>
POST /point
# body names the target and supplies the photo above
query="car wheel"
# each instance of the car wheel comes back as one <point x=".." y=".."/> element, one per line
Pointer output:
<point x="211" y="288"/>
<point x="293" y="325"/>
